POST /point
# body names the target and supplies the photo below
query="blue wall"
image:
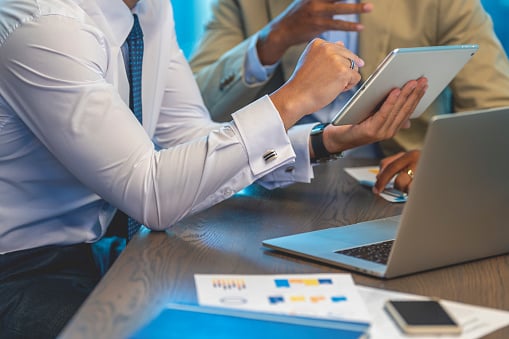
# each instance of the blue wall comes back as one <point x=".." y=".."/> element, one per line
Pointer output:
<point x="499" y="11"/>
<point x="191" y="15"/>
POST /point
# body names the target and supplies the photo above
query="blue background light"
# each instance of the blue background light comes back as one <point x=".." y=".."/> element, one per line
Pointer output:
<point x="191" y="16"/>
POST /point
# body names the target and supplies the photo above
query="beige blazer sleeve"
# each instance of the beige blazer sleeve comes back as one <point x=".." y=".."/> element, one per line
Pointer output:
<point x="218" y="61"/>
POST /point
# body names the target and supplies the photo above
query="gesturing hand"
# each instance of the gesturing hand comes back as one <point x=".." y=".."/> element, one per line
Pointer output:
<point x="303" y="21"/>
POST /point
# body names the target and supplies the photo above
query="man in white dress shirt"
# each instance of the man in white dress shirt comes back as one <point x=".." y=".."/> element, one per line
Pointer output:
<point x="72" y="153"/>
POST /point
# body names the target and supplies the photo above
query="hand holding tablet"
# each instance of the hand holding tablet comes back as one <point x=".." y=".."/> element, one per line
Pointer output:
<point x="439" y="64"/>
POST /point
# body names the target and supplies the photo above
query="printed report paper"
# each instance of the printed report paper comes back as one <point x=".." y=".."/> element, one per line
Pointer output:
<point x="331" y="296"/>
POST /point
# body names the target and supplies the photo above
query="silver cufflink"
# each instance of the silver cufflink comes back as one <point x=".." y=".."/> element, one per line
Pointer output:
<point x="269" y="155"/>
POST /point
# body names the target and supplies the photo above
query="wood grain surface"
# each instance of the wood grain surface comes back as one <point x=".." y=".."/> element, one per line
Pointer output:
<point x="158" y="267"/>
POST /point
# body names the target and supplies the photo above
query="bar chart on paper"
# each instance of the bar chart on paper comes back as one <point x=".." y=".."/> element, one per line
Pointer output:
<point x="320" y="295"/>
<point x="269" y="306"/>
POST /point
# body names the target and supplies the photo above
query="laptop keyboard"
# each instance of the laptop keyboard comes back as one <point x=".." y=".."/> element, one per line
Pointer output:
<point x="378" y="252"/>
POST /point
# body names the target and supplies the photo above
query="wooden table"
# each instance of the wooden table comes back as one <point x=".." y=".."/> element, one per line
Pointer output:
<point x="158" y="267"/>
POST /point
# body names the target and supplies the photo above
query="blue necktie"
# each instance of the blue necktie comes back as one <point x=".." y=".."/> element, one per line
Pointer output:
<point x="135" y="48"/>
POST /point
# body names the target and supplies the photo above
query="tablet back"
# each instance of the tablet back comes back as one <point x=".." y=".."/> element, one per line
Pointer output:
<point x="439" y="64"/>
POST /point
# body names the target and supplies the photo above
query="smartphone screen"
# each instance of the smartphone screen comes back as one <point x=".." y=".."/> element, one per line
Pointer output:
<point x="422" y="317"/>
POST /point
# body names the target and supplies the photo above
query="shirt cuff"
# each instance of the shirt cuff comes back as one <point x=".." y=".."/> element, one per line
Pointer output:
<point x="254" y="71"/>
<point x="299" y="136"/>
<point x="299" y="171"/>
<point x="263" y="135"/>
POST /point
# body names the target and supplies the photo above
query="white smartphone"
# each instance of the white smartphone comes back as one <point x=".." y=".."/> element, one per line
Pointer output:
<point x="422" y="317"/>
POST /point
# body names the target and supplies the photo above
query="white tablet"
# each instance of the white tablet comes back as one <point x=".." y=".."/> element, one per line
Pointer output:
<point x="439" y="64"/>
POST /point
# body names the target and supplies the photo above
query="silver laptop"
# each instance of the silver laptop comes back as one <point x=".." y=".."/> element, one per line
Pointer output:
<point x="456" y="210"/>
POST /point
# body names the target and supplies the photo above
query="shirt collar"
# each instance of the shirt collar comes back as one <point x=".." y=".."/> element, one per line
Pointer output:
<point x="115" y="13"/>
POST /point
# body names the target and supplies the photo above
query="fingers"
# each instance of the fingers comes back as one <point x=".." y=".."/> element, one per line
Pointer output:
<point x="393" y="115"/>
<point x="406" y="124"/>
<point x="324" y="13"/>
<point x="406" y="95"/>
<point x="332" y="22"/>
<point x="400" y="104"/>
<point x="386" y="174"/>
<point x="338" y="7"/>
<point x="349" y="55"/>
<point x="355" y="76"/>
<point x="390" y="159"/>
<point x="408" y="103"/>
<point x="401" y="165"/>
<point x="322" y="72"/>
<point x="304" y="20"/>
<point x="404" y="180"/>
<point x="352" y="63"/>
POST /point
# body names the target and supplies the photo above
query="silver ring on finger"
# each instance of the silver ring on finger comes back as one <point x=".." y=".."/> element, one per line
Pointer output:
<point x="352" y="63"/>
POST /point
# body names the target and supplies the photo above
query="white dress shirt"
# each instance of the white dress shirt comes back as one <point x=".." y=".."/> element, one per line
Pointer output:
<point x="71" y="151"/>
